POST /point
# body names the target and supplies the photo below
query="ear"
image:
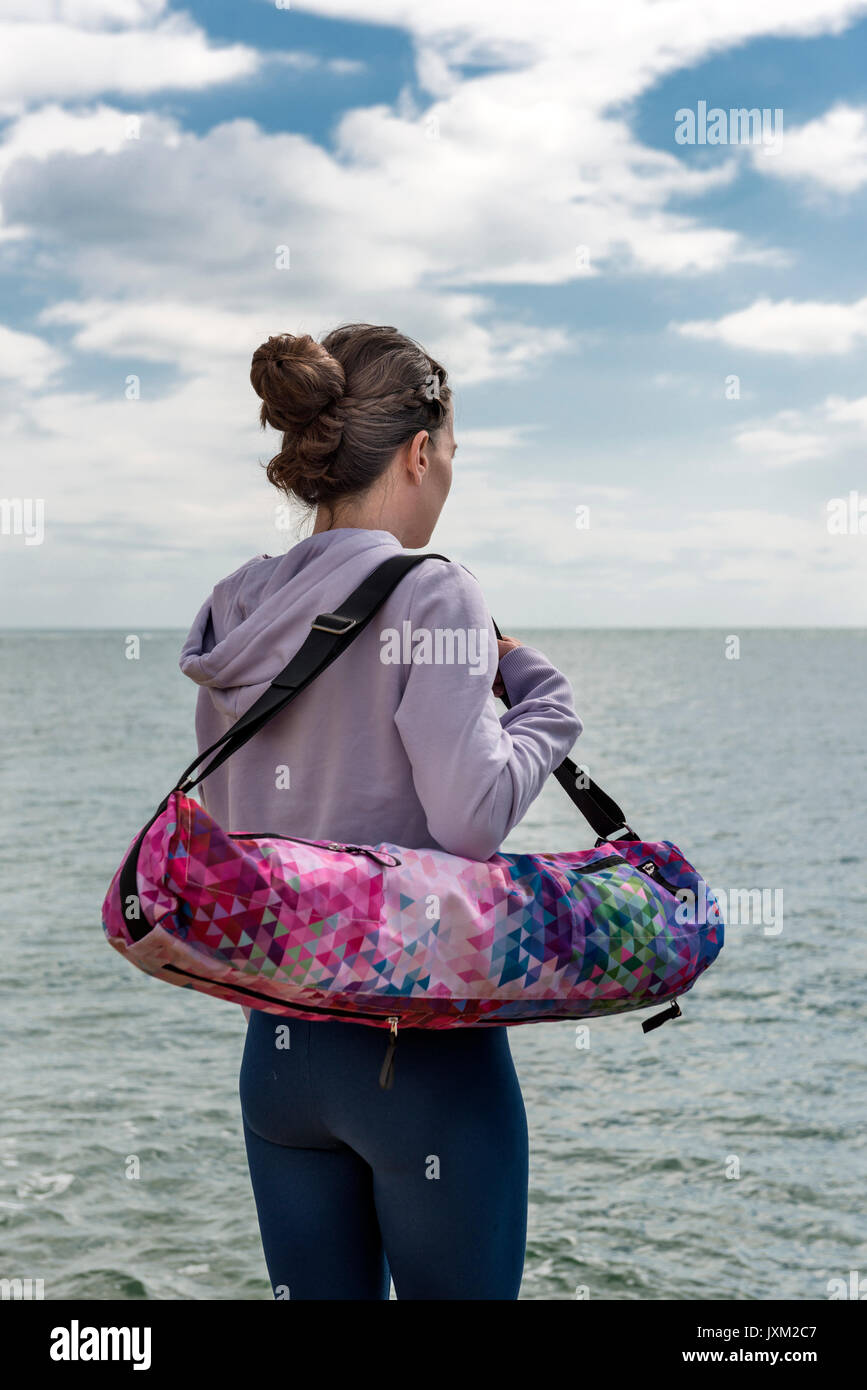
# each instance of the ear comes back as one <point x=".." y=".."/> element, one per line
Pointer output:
<point x="417" y="460"/>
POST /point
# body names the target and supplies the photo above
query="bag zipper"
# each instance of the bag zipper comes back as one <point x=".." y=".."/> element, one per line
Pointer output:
<point x="648" y="867"/>
<point x="386" y="1075"/>
<point x="587" y="868"/>
<point x="269" y="998"/>
<point x="387" y="861"/>
<point x="652" y="871"/>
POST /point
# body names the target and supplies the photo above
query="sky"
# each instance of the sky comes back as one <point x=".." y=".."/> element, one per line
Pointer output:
<point x="657" y="348"/>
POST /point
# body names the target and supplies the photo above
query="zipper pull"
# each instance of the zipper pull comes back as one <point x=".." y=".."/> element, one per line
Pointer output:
<point x="673" y="1011"/>
<point x="388" y="861"/>
<point x="386" y="1075"/>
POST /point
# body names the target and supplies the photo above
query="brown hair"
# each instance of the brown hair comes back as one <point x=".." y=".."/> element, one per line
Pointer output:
<point x="344" y="406"/>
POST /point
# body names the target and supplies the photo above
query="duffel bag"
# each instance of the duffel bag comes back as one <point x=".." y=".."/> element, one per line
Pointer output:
<point x="395" y="937"/>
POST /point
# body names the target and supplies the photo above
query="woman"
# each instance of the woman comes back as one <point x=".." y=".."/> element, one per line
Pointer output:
<point x="426" y="1181"/>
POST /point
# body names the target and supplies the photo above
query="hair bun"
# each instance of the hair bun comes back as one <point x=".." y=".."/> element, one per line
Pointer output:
<point x="297" y="380"/>
<point x="344" y="407"/>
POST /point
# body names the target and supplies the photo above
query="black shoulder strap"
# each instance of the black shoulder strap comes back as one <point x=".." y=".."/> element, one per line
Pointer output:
<point x="596" y="806"/>
<point x="330" y="634"/>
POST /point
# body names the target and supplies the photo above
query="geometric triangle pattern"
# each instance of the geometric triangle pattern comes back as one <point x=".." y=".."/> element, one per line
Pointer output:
<point x="313" y="929"/>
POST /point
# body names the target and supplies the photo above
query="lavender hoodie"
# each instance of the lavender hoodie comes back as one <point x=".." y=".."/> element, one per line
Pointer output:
<point x="410" y="751"/>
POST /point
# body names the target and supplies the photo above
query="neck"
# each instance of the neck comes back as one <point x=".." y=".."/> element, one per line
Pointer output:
<point x="371" y="516"/>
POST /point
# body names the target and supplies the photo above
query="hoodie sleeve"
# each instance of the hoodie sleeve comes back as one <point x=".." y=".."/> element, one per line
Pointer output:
<point x="476" y="773"/>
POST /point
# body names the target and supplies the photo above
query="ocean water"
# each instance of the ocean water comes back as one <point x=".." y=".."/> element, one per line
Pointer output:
<point x="722" y="1156"/>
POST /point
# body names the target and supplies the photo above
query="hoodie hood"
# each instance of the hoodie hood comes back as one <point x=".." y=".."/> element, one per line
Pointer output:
<point x="257" y="617"/>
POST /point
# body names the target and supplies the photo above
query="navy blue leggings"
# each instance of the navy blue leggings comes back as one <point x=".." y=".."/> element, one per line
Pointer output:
<point x="426" y="1182"/>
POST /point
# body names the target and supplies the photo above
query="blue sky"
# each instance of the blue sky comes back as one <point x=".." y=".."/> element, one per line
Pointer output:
<point x="436" y="168"/>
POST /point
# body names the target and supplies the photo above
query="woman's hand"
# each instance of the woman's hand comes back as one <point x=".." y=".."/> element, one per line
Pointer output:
<point x="504" y="644"/>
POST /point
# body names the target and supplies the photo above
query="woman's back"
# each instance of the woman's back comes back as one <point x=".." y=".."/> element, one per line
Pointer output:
<point x="412" y="752"/>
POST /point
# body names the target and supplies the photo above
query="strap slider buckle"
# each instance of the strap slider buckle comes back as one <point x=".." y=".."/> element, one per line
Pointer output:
<point x="623" y="833"/>
<point x="325" y="623"/>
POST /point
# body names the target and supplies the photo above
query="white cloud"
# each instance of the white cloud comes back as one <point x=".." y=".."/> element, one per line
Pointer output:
<point x="26" y="359"/>
<point x="53" y="130"/>
<point x="190" y="336"/>
<point x="185" y="334"/>
<point x="808" y="327"/>
<point x="496" y="438"/>
<point x="829" y="430"/>
<point x="605" y="63"/>
<point x="85" y="14"/>
<point x="389" y="227"/>
<point x="348" y="67"/>
<point x="830" y="151"/>
<point x="166" y="249"/>
<point x="526" y="168"/>
<point x="779" y="447"/>
<point x="173" y="480"/>
<point x="68" y="61"/>
<point x="844" y="412"/>
<point x="707" y="565"/>
<point x="528" y="165"/>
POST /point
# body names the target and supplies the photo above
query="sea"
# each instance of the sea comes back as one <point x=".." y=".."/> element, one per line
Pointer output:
<point x="721" y="1156"/>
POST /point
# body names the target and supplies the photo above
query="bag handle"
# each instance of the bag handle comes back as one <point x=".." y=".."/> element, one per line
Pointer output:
<point x="599" y="809"/>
